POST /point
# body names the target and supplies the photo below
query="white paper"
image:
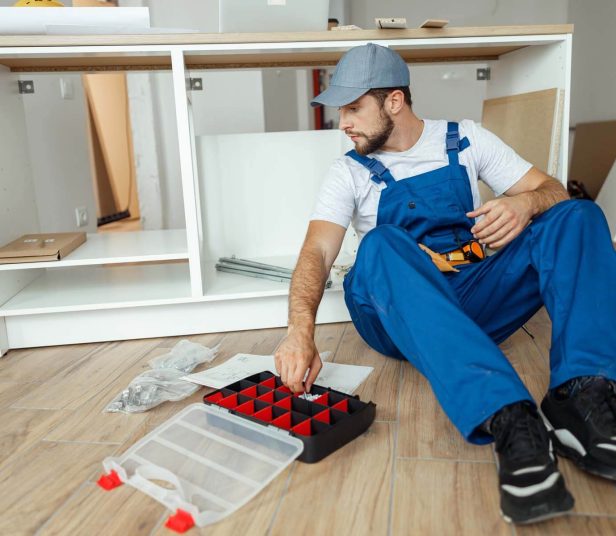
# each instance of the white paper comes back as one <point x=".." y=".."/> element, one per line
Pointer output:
<point x="34" y="20"/>
<point x="344" y="378"/>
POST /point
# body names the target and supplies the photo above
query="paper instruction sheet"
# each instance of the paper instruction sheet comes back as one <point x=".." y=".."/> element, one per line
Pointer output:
<point x="344" y="378"/>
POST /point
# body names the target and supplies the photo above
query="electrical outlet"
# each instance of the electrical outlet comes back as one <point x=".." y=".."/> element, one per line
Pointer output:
<point x="81" y="215"/>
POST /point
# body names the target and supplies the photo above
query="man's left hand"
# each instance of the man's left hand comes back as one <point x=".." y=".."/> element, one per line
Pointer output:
<point x="504" y="219"/>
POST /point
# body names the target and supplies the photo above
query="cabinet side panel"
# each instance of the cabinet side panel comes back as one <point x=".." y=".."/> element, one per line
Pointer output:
<point x="536" y="68"/>
<point x="18" y="214"/>
<point x="18" y="209"/>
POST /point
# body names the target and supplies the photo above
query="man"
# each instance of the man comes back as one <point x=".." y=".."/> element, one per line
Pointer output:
<point x="422" y="289"/>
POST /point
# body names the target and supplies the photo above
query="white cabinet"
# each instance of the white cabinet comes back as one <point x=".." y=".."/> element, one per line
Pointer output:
<point x="248" y="195"/>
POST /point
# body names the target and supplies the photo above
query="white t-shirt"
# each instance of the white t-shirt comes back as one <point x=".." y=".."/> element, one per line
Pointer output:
<point x="348" y="195"/>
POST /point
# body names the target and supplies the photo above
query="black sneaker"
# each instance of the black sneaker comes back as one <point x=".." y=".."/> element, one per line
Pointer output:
<point x="531" y="487"/>
<point x="581" y="416"/>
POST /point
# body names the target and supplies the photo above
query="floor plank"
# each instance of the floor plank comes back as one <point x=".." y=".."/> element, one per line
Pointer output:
<point x="40" y="364"/>
<point x="22" y="428"/>
<point x="541" y="328"/>
<point x="571" y="526"/>
<point x="593" y="495"/>
<point x="91" y="423"/>
<point x="425" y="431"/>
<point x="41" y="480"/>
<point x="346" y="493"/>
<point x="80" y="381"/>
<point x="524" y="355"/>
<point x="10" y="392"/>
<point x="381" y="386"/>
<point x="120" y="512"/>
<point x="446" y="497"/>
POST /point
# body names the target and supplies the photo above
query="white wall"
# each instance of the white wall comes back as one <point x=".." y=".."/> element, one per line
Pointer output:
<point x="59" y="153"/>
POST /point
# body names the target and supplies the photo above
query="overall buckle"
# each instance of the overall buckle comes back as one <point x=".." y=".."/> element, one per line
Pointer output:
<point x="452" y="141"/>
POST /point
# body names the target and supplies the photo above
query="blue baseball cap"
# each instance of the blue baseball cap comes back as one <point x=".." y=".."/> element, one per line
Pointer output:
<point x="361" y="69"/>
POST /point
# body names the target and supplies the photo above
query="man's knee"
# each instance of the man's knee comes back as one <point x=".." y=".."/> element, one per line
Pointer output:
<point x="386" y="240"/>
<point x="380" y="235"/>
<point x="574" y="208"/>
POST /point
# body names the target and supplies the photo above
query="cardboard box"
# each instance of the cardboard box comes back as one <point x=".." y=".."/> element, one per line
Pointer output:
<point x="41" y="247"/>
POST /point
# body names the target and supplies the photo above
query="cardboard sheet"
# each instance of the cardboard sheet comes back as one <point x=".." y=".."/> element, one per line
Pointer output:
<point x="40" y="247"/>
<point x="594" y="151"/>
<point x="530" y="123"/>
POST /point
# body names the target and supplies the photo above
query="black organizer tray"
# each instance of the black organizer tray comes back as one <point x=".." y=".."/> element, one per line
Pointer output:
<point x="324" y="424"/>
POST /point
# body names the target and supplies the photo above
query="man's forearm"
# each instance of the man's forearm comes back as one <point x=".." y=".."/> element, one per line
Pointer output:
<point x="307" y="286"/>
<point x="545" y="196"/>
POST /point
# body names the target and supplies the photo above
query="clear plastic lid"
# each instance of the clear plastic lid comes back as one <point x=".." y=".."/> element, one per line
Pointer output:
<point x="206" y="461"/>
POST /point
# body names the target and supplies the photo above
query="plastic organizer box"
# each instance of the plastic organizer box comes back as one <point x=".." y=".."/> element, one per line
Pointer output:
<point x="324" y="424"/>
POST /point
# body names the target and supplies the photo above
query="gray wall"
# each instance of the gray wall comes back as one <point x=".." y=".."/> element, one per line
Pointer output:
<point x="593" y="76"/>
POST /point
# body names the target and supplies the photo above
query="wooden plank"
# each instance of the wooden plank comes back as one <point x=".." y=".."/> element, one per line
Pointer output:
<point x="10" y="392"/>
<point x="524" y="354"/>
<point x="41" y="364"/>
<point x="40" y="481"/>
<point x="91" y="510"/>
<point x="90" y="423"/>
<point x="346" y="493"/>
<point x="570" y="526"/>
<point x="529" y="123"/>
<point x="74" y="385"/>
<point x="22" y="428"/>
<point x="594" y="152"/>
<point x="537" y="385"/>
<point x="540" y="326"/>
<point x="279" y="37"/>
<point x="593" y="495"/>
<point x="381" y="386"/>
<point x="424" y="429"/>
<point x="446" y="497"/>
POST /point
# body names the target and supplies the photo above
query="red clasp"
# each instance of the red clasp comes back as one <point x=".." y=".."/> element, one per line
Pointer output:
<point x="109" y="481"/>
<point x="181" y="521"/>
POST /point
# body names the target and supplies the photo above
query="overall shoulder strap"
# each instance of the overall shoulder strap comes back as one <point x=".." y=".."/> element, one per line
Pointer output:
<point x="453" y="144"/>
<point x="378" y="172"/>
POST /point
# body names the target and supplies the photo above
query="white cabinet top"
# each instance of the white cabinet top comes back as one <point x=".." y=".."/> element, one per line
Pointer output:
<point x="24" y="53"/>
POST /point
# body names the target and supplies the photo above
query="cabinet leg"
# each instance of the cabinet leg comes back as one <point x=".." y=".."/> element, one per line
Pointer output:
<point x="4" y="339"/>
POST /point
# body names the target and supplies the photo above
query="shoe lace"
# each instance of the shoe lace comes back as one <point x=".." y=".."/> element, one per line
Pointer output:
<point x="519" y="435"/>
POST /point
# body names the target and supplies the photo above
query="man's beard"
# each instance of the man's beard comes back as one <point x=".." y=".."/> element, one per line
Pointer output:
<point x="375" y="141"/>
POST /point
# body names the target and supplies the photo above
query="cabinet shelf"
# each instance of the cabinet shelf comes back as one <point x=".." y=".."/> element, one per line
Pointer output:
<point x="93" y="288"/>
<point x="115" y="248"/>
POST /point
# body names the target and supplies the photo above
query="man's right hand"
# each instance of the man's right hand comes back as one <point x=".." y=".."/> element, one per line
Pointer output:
<point x="297" y="354"/>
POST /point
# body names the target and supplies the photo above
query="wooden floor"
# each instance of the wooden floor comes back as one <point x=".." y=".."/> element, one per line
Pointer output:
<point x="409" y="474"/>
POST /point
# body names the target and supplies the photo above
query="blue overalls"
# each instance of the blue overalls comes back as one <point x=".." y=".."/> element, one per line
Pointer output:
<point x="448" y="324"/>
